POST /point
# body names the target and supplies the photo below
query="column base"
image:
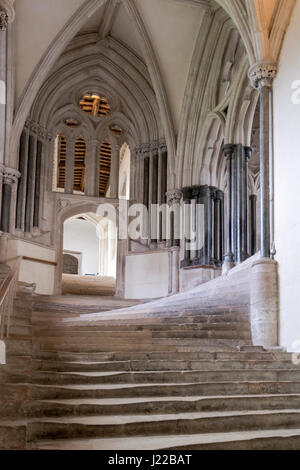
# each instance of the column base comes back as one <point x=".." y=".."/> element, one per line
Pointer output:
<point x="264" y="303"/>
<point x="228" y="263"/>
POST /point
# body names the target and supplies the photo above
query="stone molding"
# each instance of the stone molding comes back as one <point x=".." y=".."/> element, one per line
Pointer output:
<point x="38" y="130"/>
<point x="263" y="74"/>
<point x="154" y="147"/>
<point x="9" y="175"/>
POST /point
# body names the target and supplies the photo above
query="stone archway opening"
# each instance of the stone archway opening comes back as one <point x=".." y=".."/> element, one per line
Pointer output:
<point x="89" y="253"/>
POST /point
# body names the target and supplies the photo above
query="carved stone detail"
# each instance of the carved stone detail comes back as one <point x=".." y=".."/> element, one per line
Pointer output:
<point x="9" y="175"/>
<point x="4" y="20"/>
<point x="7" y="13"/>
<point x="38" y="130"/>
<point x="174" y="196"/>
<point x="263" y="74"/>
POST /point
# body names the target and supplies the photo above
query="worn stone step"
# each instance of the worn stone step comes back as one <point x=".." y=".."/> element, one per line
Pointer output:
<point x="140" y="344"/>
<point x="275" y="439"/>
<point x="163" y="356"/>
<point x="20" y="330"/>
<point x="179" y="423"/>
<point x="62" y="330"/>
<point x="12" y="436"/>
<point x="159" y="405"/>
<point x="18" y="346"/>
<point x="49" y="392"/>
<point x="59" y="366"/>
<point x="156" y="377"/>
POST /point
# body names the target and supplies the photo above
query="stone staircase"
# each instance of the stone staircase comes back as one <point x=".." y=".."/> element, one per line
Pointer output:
<point x="146" y="377"/>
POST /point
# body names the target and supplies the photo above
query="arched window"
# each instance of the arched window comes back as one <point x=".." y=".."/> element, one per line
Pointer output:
<point x="79" y="165"/>
<point x="95" y="105"/>
<point x="105" y="167"/>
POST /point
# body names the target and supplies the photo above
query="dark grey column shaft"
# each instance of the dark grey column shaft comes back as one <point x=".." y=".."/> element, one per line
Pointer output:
<point x="187" y="227"/>
<point x="245" y="248"/>
<point x="164" y="177"/>
<point x="217" y="232"/>
<point x="229" y="154"/>
<point x="37" y="189"/>
<point x="21" y="182"/>
<point x="154" y="221"/>
<point x="146" y="194"/>
<point x="234" y="205"/>
<point x="239" y="202"/>
<point x="30" y="182"/>
<point x="265" y="102"/>
<point x="5" y="210"/>
<point x="253" y="215"/>
<point x="209" y="228"/>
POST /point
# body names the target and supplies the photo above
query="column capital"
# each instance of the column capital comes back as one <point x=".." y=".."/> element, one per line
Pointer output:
<point x="7" y="13"/>
<point x="9" y="175"/>
<point x="174" y="196"/>
<point x="262" y="74"/>
<point x="248" y="152"/>
<point x="228" y="150"/>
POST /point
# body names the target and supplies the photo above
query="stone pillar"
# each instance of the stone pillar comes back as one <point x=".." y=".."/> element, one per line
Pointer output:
<point x="174" y="267"/>
<point x="115" y="170"/>
<point x="30" y="183"/>
<point x="23" y="156"/>
<point x="7" y="15"/>
<point x="229" y="256"/>
<point x="253" y="227"/>
<point x="70" y="161"/>
<point x="154" y="198"/>
<point x="187" y="226"/>
<point x="245" y="192"/>
<point x="9" y="180"/>
<point x="174" y="198"/>
<point x="262" y="76"/>
<point x="92" y="169"/>
<point x="264" y="304"/>
<point x="37" y="188"/>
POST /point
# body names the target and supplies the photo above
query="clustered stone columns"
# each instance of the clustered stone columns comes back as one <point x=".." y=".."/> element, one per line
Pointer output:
<point x="204" y="218"/>
<point x="174" y="199"/>
<point x="153" y="173"/>
<point x="262" y="76"/>
<point x="8" y="180"/>
<point x="31" y="168"/>
<point x="7" y="16"/>
<point x="237" y="157"/>
<point x="264" y="300"/>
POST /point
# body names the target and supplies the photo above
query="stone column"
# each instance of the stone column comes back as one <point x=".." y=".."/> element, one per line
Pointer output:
<point x="262" y="76"/>
<point x="174" y="198"/>
<point x="23" y="156"/>
<point x="187" y="226"/>
<point x="253" y="227"/>
<point x="229" y="256"/>
<point x="30" y="183"/>
<point x="92" y="169"/>
<point x="114" y="173"/>
<point x="244" y="247"/>
<point x="70" y="160"/>
<point x="37" y="186"/>
<point x="9" y="180"/>
<point x="7" y="15"/>
<point x="154" y="198"/>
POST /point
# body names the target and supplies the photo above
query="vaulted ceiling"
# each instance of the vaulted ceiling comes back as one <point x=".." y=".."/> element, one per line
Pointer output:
<point x="165" y="34"/>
